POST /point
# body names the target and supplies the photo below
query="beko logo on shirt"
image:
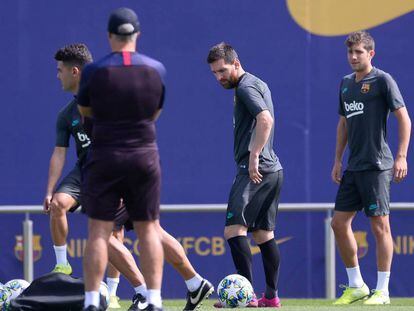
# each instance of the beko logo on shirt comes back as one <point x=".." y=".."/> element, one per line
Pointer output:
<point x="354" y="107"/>
<point x="84" y="138"/>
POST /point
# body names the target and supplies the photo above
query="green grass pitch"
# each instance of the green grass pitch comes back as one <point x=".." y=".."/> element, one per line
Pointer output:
<point x="400" y="304"/>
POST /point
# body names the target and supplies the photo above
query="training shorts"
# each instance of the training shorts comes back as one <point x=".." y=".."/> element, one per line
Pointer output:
<point x="71" y="184"/>
<point x="253" y="205"/>
<point x="367" y="190"/>
<point x="131" y="174"/>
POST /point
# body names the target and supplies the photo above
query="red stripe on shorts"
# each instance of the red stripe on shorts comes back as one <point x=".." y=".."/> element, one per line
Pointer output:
<point x="127" y="58"/>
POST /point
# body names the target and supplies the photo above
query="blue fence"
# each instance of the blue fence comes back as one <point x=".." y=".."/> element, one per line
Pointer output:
<point x="300" y="235"/>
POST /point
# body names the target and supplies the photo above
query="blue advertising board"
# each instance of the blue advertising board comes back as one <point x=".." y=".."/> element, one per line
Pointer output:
<point x="300" y="236"/>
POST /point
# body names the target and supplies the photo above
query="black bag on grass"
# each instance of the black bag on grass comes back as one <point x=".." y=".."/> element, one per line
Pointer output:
<point x="53" y="292"/>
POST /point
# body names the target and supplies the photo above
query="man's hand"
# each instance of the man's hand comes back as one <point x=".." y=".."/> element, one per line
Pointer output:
<point x="46" y="203"/>
<point x="254" y="173"/>
<point x="400" y="168"/>
<point x="336" y="173"/>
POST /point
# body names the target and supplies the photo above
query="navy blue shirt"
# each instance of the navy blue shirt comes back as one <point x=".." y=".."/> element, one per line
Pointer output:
<point x="124" y="90"/>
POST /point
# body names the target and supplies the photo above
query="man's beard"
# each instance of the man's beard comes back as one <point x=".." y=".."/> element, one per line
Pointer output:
<point x="359" y="68"/>
<point x="229" y="84"/>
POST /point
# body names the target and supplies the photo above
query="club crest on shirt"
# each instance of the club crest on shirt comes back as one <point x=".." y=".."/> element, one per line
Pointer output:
<point x="365" y="88"/>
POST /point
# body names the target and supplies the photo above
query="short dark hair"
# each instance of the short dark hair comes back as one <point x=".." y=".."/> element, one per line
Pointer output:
<point x="222" y="51"/>
<point x="74" y="54"/>
<point x="361" y="37"/>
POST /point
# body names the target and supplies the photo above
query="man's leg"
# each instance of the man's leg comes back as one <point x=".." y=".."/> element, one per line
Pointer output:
<point x="198" y="288"/>
<point x="122" y="260"/>
<point x="381" y="229"/>
<point x="347" y="246"/>
<point x="151" y="259"/>
<point x="95" y="258"/>
<point x="377" y="186"/>
<point x="271" y="263"/>
<point x="345" y="239"/>
<point x="60" y="205"/>
<point x="112" y="275"/>
<point x="175" y="255"/>
<point x="380" y="226"/>
<point x="236" y="236"/>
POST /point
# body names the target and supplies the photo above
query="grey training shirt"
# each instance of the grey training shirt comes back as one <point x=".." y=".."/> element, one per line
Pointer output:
<point x="252" y="96"/>
<point x="366" y="105"/>
<point x="68" y="124"/>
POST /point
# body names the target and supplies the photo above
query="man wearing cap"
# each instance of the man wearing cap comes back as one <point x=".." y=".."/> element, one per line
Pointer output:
<point x="123" y="93"/>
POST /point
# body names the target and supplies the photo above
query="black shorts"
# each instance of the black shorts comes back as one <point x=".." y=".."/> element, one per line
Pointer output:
<point x="131" y="174"/>
<point x="252" y="205"/>
<point x="368" y="190"/>
<point x="122" y="219"/>
<point x="70" y="185"/>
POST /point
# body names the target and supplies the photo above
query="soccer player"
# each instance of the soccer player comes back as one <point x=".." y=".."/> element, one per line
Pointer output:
<point x="254" y="197"/>
<point x="123" y="93"/>
<point x="71" y="60"/>
<point x="365" y="99"/>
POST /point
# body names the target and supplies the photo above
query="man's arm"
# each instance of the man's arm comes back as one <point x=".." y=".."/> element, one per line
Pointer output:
<point x="57" y="161"/>
<point x="160" y="105"/>
<point x="341" y="141"/>
<point x="264" y="124"/>
<point x="404" y="132"/>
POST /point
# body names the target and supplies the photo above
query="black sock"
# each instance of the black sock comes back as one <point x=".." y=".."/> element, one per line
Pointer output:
<point x="242" y="257"/>
<point x="271" y="263"/>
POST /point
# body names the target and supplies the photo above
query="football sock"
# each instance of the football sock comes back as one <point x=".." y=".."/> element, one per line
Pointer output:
<point x="383" y="280"/>
<point x="112" y="285"/>
<point x="92" y="298"/>
<point x="242" y="257"/>
<point x="154" y="297"/>
<point x="354" y="277"/>
<point x="60" y="253"/>
<point x="194" y="283"/>
<point x="271" y="263"/>
<point x="142" y="289"/>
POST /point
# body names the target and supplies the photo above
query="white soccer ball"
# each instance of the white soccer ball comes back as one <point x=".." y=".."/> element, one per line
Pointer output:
<point x="16" y="287"/>
<point x="235" y="291"/>
<point x="104" y="291"/>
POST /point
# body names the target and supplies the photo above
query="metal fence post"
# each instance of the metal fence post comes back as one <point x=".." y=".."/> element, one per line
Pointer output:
<point x="330" y="276"/>
<point x="28" y="248"/>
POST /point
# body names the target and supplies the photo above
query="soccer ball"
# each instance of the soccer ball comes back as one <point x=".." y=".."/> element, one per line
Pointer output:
<point x="5" y="295"/>
<point x="235" y="291"/>
<point x="16" y="287"/>
<point x="104" y="291"/>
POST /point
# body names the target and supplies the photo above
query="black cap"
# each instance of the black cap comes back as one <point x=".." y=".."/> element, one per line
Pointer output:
<point x="123" y="21"/>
